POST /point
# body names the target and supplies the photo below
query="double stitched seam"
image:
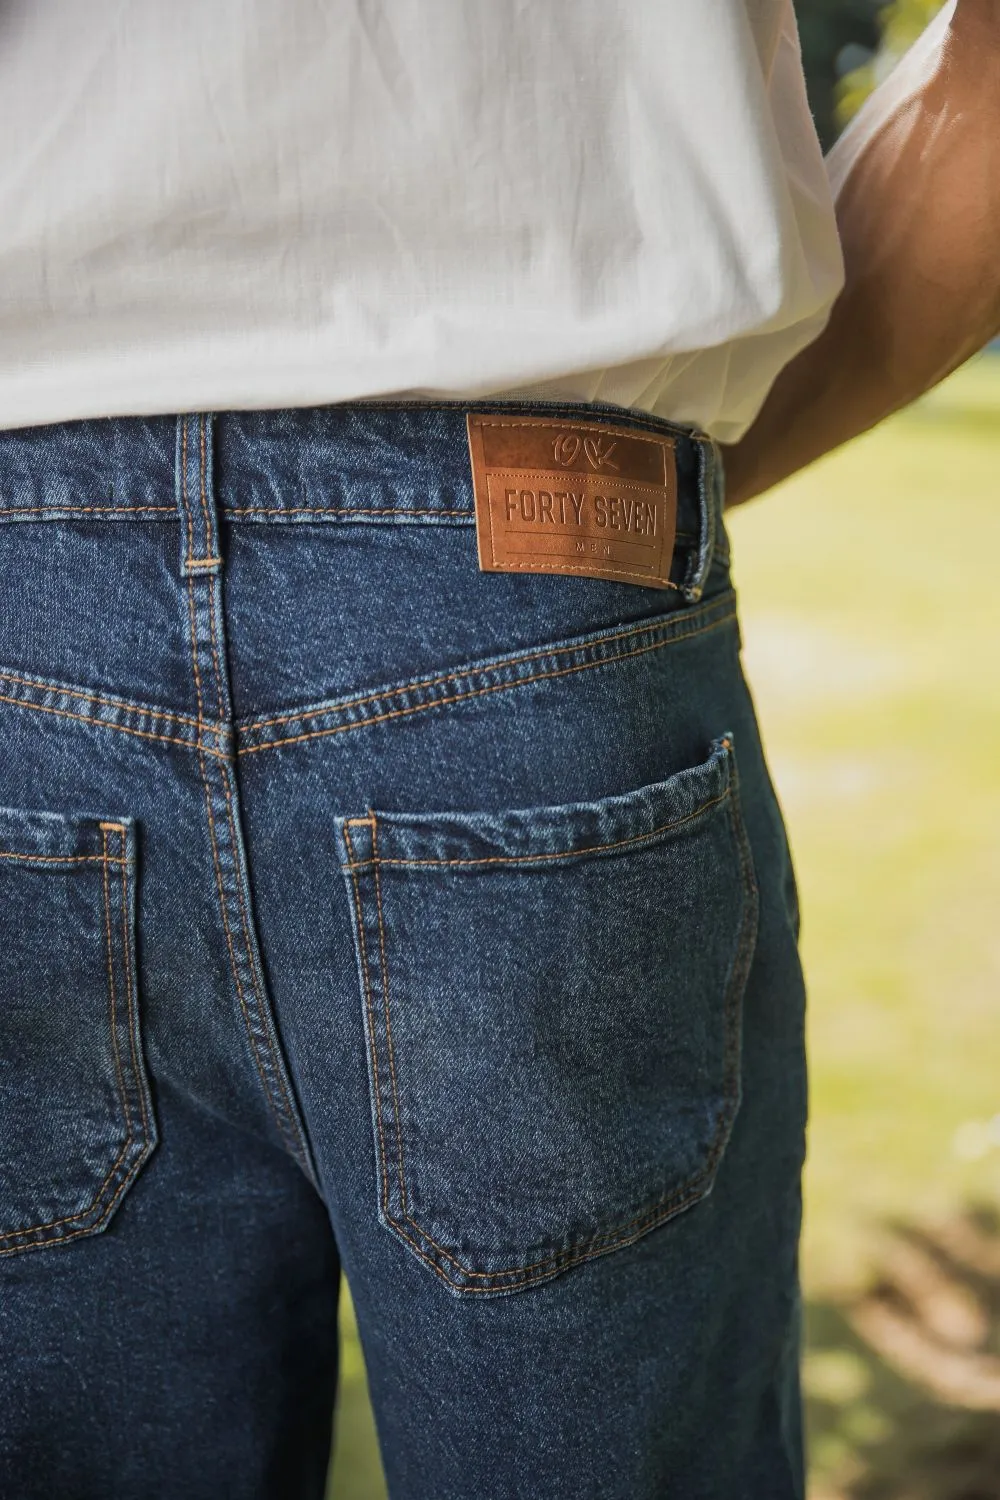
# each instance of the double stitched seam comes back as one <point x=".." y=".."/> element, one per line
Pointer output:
<point x="497" y="687"/>
<point x="674" y="1202"/>
<point x="219" y="881"/>
<point x="388" y="1016"/>
<point x="390" y="1218"/>
<point x="340" y="510"/>
<point x="285" y="1119"/>
<point x="73" y="1234"/>
<point x="14" y="1234"/>
<point x="96" y="723"/>
<point x="281" y="1123"/>
<point x="542" y="1269"/>
<point x="131" y="982"/>
<point x="369" y="1018"/>
<point x="58" y="859"/>
<point x="586" y="849"/>
<point x="144" y="710"/>
<point x="105" y="829"/>
<point x="603" y="659"/>
<point x="68" y="511"/>
<point x="521" y="659"/>
<point x="210" y="561"/>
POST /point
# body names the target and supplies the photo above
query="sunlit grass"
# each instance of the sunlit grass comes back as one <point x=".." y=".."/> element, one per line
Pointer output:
<point x="872" y="625"/>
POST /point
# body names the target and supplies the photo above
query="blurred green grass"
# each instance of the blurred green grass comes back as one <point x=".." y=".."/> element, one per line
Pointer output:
<point x="870" y="611"/>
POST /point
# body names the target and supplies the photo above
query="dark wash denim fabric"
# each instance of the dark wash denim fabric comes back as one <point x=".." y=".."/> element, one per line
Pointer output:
<point x="365" y="910"/>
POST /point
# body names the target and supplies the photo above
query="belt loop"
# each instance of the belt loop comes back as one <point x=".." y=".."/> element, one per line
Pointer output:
<point x="710" y="478"/>
<point x="195" y="497"/>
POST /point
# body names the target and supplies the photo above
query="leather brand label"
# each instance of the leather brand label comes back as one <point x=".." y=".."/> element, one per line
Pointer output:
<point x="578" y="498"/>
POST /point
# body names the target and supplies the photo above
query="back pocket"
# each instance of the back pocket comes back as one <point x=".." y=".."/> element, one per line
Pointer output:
<point x="552" y="1002"/>
<point x="76" y="1120"/>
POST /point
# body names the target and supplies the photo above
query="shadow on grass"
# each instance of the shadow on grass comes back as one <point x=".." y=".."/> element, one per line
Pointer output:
<point x="903" y="1383"/>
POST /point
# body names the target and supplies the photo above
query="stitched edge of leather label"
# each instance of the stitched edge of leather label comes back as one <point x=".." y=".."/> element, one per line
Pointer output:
<point x="577" y="498"/>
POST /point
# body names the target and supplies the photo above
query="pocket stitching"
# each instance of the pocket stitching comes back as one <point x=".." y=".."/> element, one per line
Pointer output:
<point x="104" y="859"/>
<point x="515" y="1277"/>
<point x="388" y="1025"/>
<point x="369" y="1013"/>
<point x="130" y="977"/>
<point x="515" y="859"/>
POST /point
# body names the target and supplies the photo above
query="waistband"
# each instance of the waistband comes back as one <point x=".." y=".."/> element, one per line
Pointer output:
<point x="365" y="463"/>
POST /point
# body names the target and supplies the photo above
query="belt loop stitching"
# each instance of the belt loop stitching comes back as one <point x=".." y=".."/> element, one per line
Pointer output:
<point x="199" y="531"/>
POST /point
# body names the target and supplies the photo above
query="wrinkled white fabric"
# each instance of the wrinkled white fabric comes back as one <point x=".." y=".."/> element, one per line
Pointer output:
<point x="260" y="203"/>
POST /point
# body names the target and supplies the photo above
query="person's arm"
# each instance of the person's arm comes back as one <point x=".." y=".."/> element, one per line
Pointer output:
<point x="919" y="219"/>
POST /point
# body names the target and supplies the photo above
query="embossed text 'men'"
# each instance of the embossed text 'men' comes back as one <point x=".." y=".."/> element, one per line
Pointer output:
<point x="573" y="497"/>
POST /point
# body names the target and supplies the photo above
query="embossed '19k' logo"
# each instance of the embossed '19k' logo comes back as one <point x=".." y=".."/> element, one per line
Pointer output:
<point x="596" y="450"/>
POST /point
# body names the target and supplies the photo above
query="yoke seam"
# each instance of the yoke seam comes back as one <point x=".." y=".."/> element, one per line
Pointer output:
<point x="148" y="711"/>
<point x="520" y="659"/>
<point x="496" y="687"/>
<point x="92" y="719"/>
<point x="200" y="725"/>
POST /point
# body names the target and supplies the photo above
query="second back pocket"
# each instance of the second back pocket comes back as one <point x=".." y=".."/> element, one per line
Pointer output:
<point x="552" y="1007"/>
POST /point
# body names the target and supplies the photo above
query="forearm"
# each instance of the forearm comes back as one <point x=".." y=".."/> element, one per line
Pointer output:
<point x="919" y="218"/>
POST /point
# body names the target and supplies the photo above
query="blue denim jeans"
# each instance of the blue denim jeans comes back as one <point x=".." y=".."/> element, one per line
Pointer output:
<point x="365" y="910"/>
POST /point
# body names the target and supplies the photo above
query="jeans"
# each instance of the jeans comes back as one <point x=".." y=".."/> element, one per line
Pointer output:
<point x="363" y="910"/>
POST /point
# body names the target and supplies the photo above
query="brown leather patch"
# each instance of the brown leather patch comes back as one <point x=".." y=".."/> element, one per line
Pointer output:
<point x="573" y="497"/>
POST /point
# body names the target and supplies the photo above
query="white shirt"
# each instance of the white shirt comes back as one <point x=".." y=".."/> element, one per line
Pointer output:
<point x="207" y="204"/>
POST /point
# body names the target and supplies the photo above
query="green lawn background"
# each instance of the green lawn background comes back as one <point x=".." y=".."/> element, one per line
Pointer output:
<point x="869" y="594"/>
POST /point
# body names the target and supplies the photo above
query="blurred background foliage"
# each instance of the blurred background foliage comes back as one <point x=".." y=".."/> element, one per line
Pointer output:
<point x="838" y="37"/>
<point x="848" y="47"/>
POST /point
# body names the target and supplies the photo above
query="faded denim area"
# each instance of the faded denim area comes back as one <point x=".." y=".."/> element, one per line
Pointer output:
<point x="364" y="910"/>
